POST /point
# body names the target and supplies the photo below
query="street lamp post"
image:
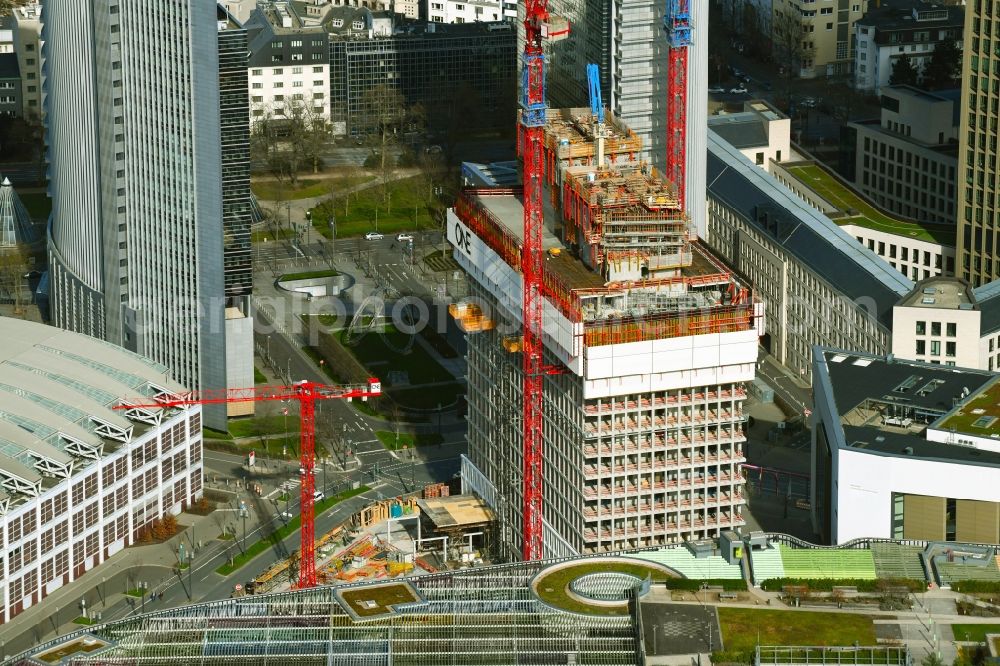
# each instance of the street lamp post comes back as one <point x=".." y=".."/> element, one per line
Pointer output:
<point x="243" y="512"/>
<point x="191" y="574"/>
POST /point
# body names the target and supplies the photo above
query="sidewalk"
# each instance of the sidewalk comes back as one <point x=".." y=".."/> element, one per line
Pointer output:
<point x="102" y="587"/>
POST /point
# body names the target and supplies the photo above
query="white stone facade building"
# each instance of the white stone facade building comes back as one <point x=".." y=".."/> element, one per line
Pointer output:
<point x="80" y="478"/>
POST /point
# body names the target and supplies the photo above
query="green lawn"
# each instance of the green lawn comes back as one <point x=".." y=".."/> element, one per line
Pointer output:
<point x="37" y="204"/>
<point x="269" y="235"/>
<point x="258" y="376"/>
<point x="551" y="587"/>
<point x="975" y="632"/>
<point x="427" y="398"/>
<point x="378" y="353"/>
<point x="985" y="403"/>
<point x="407" y="440"/>
<point x="384" y="596"/>
<point x="868" y="216"/>
<point x="438" y="342"/>
<point x="406" y="209"/>
<point x="269" y="190"/>
<point x="284" y="531"/>
<point x="209" y="433"/>
<point x="743" y="627"/>
<point x="255" y="426"/>
<point x="312" y="275"/>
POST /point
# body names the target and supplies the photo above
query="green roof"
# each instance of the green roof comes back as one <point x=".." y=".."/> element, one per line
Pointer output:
<point x="844" y="198"/>
<point x="827" y="563"/>
<point x="979" y="415"/>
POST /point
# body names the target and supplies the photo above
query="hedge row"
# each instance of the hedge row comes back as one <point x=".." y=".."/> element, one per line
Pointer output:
<point x="827" y="584"/>
<point x="970" y="586"/>
<point x="694" y="584"/>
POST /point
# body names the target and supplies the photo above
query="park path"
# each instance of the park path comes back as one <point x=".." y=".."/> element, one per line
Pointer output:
<point x="300" y="206"/>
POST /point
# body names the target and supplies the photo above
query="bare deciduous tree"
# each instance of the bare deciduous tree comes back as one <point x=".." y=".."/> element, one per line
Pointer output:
<point x="13" y="265"/>
<point x="289" y="137"/>
<point x="792" y="46"/>
<point x="387" y="117"/>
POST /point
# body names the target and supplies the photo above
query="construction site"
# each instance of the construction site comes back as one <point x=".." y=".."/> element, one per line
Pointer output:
<point x="388" y="539"/>
<point x="648" y="339"/>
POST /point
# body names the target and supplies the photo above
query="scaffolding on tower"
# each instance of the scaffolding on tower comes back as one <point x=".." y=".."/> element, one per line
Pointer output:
<point x="677" y="23"/>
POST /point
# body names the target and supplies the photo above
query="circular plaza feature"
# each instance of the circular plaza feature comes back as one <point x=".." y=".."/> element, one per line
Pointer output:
<point x="597" y="585"/>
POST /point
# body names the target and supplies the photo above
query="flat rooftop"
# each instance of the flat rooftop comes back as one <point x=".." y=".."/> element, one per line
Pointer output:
<point x="904" y="444"/>
<point x="941" y="292"/>
<point x="508" y="210"/>
<point x="857" y="377"/>
<point x="458" y="511"/>
<point x="885" y="405"/>
<point x="865" y="214"/>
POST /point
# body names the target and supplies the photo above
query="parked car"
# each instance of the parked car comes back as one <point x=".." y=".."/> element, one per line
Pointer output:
<point x="739" y="89"/>
<point x="404" y="237"/>
<point x="374" y="235"/>
<point x="318" y="496"/>
<point x="809" y="102"/>
<point x="287" y="515"/>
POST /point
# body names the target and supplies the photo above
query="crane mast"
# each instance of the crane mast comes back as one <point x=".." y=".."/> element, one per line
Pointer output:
<point x="677" y="24"/>
<point x="306" y="394"/>
<point x="532" y="102"/>
<point x="532" y="123"/>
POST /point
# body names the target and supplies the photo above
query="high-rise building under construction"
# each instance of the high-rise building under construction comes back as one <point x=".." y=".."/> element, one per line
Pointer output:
<point x="649" y="341"/>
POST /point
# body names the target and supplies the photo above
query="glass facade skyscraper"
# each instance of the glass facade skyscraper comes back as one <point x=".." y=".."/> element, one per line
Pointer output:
<point x="978" y="243"/>
<point x="132" y="97"/>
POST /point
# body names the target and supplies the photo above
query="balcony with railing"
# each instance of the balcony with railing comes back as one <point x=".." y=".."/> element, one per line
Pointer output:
<point x="724" y="520"/>
<point x="606" y="407"/>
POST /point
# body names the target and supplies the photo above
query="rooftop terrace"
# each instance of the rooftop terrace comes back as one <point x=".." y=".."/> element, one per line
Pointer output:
<point x="978" y="415"/>
<point x="862" y="213"/>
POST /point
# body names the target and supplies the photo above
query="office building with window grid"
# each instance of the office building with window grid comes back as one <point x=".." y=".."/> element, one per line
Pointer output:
<point x="289" y="59"/>
<point x="904" y="450"/>
<point x="945" y="321"/>
<point x="828" y="39"/>
<point x="136" y="250"/>
<point x="978" y="210"/>
<point x="80" y="479"/>
<point x="652" y="339"/>
<point x="901" y="29"/>
<point x="905" y="160"/>
<point x="442" y="67"/>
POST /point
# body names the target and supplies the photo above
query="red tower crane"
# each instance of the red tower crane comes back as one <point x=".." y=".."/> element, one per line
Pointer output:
<point x="306" y="394"/>
<point x="537" y="27"/>
<point x="677" y="23"/>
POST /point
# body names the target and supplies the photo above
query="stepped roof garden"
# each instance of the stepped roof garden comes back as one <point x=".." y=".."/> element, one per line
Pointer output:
<point x="859" y="211"/>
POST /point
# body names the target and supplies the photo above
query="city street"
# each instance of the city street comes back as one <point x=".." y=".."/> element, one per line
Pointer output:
<point x="786" y="388"/>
